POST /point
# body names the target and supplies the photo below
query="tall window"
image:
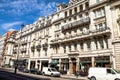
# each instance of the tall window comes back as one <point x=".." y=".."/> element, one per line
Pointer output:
<point x="64" y="49"/>
<point x="66" y="14"/>
<point x="101" y="43"/>
<point x="45" y="52"/>
<point x="75" y="46"/>
<point x="70" y="12"/>
<point x="88" y="45"/>
<point x="81" y="46"/>
<point x="106" y="41"/>
<point x="96" y="44"/>
<point x="75" y="9"/>
<point x="69" y="48"/>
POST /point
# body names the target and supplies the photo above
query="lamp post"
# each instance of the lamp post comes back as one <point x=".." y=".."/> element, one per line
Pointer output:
<point x="18" y="51"/>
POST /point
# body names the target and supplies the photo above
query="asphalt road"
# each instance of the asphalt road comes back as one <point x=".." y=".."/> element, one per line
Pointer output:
<point x="4" y="75"/>
<point x="10" y="75"/>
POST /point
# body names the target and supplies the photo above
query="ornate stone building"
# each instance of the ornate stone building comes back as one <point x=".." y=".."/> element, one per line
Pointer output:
<point x="79" y="35"/>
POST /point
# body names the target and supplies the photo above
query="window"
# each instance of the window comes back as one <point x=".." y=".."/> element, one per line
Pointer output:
<point x="106" y="41"/>
<point x="81" y="46"/>
<point x="65" y="14"/>
<point x="99" y="12"/>
<point x="101" y="43"/>
<point x="97" y="1"/>
<point x="89" y="45"/>
<point x="45" y="52"/>
<point x="75" y="46"/>
<point x="75" y="9"/>
<point x="64" y="49"/>
<point x="81" y="8"/>
<point x="109" y="71"/>
<point x="70" y="12"/>
<point x="69" y="48"/>
<point x="96" y="44"/>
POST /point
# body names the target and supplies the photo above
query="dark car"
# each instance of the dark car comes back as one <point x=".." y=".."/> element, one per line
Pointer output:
<point x="34" y="71"/>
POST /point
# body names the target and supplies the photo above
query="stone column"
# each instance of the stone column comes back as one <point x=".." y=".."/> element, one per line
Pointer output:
<point x="36" y="64"/>
<point x="72" y="47"/>
<point x="93" y="46"/>
<point x="78" y="47"/>
<point x="93" y="61"/>
<point x="85" y="46"/>
<point x="70" y="66"/>
<point x="67" y="49"/>
<point x="59" y="64"/>
<point x="98" y="43"/>
<point x="104" y="43"/>
<point x="28" y="64"/>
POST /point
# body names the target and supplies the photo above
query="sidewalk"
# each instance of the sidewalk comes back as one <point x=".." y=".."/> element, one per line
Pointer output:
<point x="74" y="77"/>
<point x="62" y="76"/>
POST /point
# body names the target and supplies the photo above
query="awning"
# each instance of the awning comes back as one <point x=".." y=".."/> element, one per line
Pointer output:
<point x="54" y="62"/>
<point x="102" y="61"/>
<point x="85" y="62"/>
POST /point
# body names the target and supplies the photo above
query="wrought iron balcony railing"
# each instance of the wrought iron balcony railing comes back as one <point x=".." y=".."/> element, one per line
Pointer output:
<point x="76" y="23"/>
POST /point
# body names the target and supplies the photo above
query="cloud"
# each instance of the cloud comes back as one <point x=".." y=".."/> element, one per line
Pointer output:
<point x="24" y="7"/>
<point x="9" y="26"/>
<point x="11" y="29"/>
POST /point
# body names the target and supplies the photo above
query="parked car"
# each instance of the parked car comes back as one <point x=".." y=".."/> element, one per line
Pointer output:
<point x="50" y="71"/>
<point x="33" y="71"/>
<point x="98" y="73"/>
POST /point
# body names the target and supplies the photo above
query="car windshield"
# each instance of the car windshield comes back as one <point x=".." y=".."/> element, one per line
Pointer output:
<point x="117" y="71"/>
<point x="53" y="69"/>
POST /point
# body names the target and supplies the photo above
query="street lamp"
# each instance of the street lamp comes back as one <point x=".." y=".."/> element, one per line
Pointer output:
<point x="18" y="51"/>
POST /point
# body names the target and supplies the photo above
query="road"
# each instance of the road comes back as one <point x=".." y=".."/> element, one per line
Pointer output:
<point x="5" y="75"/>
<point x="9" y="75"/>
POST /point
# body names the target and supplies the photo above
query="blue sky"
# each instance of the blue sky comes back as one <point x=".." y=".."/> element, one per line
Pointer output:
<point x="15" y="12"/>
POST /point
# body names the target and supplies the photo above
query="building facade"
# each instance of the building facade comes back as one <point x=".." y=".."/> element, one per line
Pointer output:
<point x="79" y="35"/>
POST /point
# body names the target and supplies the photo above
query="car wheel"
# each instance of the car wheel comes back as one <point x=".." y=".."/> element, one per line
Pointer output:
<point x="43" y="73"/>
<point x="92" y="78"/>
<point x="117" y="79"/>
<point x="52" y="75"/>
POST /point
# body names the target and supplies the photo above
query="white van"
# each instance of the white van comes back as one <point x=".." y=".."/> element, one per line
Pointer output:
<point x="98" y="73"/>
<point x="50" y="71"/>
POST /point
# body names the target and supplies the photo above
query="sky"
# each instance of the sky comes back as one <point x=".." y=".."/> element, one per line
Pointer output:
<point x="13" y="13"/>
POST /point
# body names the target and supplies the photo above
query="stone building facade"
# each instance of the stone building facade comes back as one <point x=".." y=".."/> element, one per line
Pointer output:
<point x="79" y="35"/>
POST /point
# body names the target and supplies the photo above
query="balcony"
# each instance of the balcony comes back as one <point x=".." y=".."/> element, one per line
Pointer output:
<point x="23" y="49"/>
<point x="48" y="23"/>
<point x="38" y="47"/>
<point x="73" y="53"/>
<point x="23" y="42"/>
<point x="11" y="40"/>
<point x="76" y="23"/>
<point x="84" y="35"/>
<point x="45" y="46"/>
<point x="33" y="48"/>
<point x="14" y="51"/>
